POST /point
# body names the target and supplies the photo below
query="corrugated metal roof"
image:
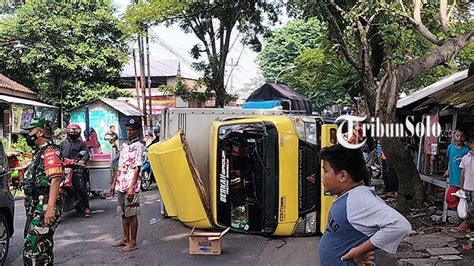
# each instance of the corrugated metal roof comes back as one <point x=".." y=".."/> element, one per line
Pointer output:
<point x="459" y="95"/>
<point x="11" y="99"/>
<point x="121" y="106"/>
<point x="13" y="86"/>
<point x="433" y="88"/>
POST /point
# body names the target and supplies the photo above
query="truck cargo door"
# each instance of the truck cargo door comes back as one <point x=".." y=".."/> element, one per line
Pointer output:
<point x="181" y="188"/>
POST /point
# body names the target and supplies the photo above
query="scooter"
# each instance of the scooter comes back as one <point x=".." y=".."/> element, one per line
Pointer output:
<point x="71" y="200"/>
<point x="146" y="175"/>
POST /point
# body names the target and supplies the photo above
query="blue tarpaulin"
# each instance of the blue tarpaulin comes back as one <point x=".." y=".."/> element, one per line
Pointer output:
<point x="261" y="105"/>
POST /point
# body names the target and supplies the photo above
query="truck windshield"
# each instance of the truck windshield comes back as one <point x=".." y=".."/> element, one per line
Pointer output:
<point x="247" y="172"/>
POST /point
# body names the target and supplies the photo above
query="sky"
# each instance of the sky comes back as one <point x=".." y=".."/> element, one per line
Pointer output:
<point x="171" y="43"/>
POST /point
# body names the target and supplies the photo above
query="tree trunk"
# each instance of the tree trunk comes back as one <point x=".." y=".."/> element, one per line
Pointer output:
<point x="220" y="93"/>
<point x="411" y="191"/>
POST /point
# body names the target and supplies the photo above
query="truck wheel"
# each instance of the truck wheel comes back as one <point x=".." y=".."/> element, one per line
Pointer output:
<point x="4" y="239"/>
<point x="145" y="182"/>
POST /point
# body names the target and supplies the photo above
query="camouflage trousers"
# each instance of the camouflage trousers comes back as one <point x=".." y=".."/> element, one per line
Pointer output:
<point x="38" y="246"/>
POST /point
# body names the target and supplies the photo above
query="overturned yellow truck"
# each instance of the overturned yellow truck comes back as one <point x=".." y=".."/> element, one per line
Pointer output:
<point x="256" y="171"/>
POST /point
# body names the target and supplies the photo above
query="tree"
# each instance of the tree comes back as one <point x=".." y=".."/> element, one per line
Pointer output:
<point x="382" y="43"/>
<point x="324" y="78"/>
<point x="73" y="52"/>
<point x="284" y="45"/>
<point x="309" y="63"/>
<point x="213" y="23"/>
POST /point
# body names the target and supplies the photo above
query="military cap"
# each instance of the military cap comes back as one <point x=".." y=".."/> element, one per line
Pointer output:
<point x="39" y="122"/>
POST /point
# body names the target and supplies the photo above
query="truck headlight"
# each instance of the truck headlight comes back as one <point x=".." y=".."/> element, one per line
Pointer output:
<point x="310" y="223"/>
<point x="307" y="225"/>
<point x="305" y="128"/>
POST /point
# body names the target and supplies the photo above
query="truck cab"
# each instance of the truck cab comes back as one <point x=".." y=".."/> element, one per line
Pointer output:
<point x="263" y="175"/>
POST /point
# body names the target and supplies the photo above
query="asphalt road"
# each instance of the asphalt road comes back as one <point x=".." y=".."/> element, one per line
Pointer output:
<point x="89" y="241"/>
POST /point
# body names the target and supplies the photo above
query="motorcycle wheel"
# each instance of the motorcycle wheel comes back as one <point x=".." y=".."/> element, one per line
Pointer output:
<point x="145" y="181"/>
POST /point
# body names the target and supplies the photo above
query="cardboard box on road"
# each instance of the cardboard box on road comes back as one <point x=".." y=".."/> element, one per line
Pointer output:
<point x="206" y="243"/>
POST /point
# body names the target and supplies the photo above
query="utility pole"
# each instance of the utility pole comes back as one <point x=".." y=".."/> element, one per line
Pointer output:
<point x="142" y="76"/>
<point x="137" y="91"/>
<point x="149" y="78"/>
<point x="232" y="75"/>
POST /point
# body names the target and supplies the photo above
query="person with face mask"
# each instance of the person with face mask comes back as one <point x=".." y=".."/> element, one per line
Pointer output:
<point x="43" y="203"/>
<point x="74" y="148"/>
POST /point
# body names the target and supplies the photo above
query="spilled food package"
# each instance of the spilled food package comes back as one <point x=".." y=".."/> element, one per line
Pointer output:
<point x="206" y="243"/>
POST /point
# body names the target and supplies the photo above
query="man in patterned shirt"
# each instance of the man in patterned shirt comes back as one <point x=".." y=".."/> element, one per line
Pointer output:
<point x="127" y="184"/>
<point x="43" y="203"/>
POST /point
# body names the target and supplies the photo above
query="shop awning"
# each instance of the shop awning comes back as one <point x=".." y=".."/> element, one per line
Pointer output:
<point x="10" y="99"/>
<point x="437" y="87"/>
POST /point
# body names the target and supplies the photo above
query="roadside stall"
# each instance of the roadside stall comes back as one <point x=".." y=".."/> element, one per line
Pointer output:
<point x="449" y="102"/>
<point x="95" y="118"/>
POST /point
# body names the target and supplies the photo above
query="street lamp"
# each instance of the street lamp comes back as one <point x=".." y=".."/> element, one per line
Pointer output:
<point x="281" y="72"/>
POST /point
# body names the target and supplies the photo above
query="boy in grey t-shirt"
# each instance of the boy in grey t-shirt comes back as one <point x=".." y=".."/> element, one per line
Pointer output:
<point x="359" y="222"/>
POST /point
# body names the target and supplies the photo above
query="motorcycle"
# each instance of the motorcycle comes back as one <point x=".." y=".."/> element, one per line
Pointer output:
<point x="146" y="175"/>
<point x="71" y="200"/>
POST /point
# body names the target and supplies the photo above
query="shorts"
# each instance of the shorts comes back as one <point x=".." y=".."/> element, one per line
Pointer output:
<point x="452" y="200"/>
<point x="128" y="207"/>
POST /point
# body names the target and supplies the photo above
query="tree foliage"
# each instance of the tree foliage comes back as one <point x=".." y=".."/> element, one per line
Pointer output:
<point x="390" y="44"/>
<point x="323" y="78"/>
<point x="307" y="62"/>
<point x="213" y="23"/>
<point x="284" y="45"/>
<point x="73" y="52"/>
<point x="391" y="36"/>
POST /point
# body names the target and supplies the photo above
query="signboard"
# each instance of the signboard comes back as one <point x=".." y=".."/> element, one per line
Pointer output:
<point x="158" y="103"/>
<point x="100" y="120"/>
<point x="22" y="116"/>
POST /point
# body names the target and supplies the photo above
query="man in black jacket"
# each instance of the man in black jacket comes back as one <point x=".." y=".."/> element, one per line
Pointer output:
<point x="74" y="148"/>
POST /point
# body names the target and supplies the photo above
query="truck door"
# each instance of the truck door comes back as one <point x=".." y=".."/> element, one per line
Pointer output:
<point x="180" y="185"/>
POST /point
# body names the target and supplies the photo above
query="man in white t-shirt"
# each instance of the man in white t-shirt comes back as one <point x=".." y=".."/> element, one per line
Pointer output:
<point x="467" y="184"/>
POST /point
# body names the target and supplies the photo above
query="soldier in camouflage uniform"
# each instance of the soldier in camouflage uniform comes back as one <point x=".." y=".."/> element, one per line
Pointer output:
<point x="43" y="202"/>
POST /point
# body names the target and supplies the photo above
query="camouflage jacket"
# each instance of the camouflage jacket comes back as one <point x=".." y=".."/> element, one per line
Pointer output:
<point x="47" y="163"/>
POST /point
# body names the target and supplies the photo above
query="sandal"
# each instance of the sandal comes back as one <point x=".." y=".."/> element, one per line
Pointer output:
<point x="87" y="213"/>
<point x="120" y="243"/>
<point x="129" y="248"/>
<point x="467" y="247"/>
<point x="459" y="230"/>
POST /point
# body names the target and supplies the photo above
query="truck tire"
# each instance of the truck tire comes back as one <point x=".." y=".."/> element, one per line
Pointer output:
<point x="4" y="239"/>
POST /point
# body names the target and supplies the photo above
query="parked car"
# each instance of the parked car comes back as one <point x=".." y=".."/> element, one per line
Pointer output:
<point x="7" y="208"/>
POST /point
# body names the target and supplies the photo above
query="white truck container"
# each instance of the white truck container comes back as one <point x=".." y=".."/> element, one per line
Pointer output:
<point x="195" y="123"/>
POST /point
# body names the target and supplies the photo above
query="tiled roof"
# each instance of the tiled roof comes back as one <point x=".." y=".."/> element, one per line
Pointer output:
<point x="6" y="83"/>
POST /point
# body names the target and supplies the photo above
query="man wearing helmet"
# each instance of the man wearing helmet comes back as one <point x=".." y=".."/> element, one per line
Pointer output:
<point x="156" y="130"/>
<point x="74" y="148"/>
